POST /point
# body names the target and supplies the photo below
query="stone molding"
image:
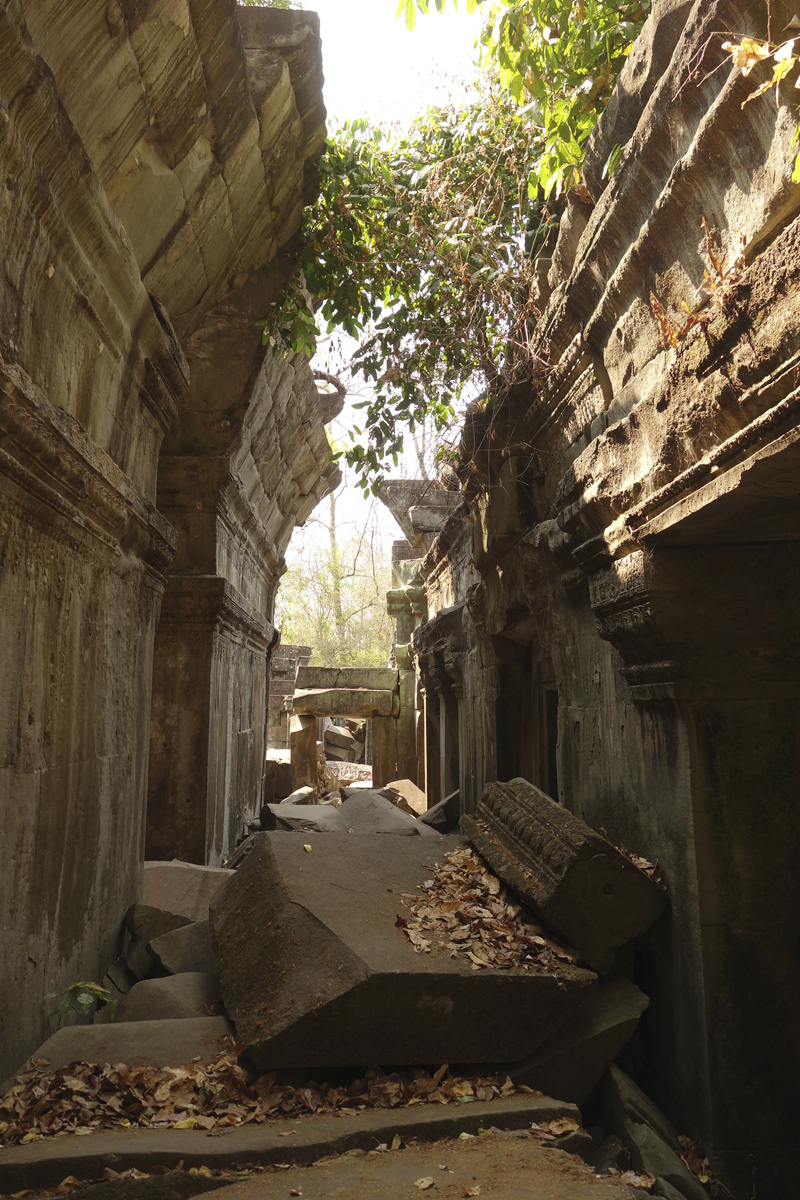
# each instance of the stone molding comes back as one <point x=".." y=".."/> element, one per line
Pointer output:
<point x="203" y="600"/>
<point x="46" y="453"/>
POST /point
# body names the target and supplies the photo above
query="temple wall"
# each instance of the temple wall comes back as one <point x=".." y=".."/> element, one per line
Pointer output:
<point x="629" y="642"/>
<point x="153" y="158"/>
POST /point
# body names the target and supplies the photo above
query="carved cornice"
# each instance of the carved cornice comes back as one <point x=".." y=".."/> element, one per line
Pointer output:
<point x="50" y="457"/>
<point x="209" y="600"/>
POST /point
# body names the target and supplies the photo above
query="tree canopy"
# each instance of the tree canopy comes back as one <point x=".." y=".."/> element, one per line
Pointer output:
<point x="421" y="244"/>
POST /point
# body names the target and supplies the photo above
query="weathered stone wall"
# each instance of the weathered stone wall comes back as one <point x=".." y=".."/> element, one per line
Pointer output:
<point x="152" y="158"/>
<point x="630" y="644"/>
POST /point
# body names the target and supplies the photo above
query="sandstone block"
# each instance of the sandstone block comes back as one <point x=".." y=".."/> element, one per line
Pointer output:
<point x="180" y="887"/>
<point x="571" y="1063"/>
<point x="277" y="775"/>
<point x="338" y="754"/>
<point x="340" y="736"/>
<point x="367" y="811"/>
<point x="138" y="1043"/>
<point x="406" y="795"/>
<point x="623" y="1099"/>
<point x="144" y="923"/>
<point x="321" y="818"/>
<point x="185" y="949"/>
<point x="314" y="971"/>
<point x="303" y="751"/>
<point x="304" y="795"/>
<point x="380" y="678"/>
<point x="191" y="995"/>
<point x="345" y="702"/>
<point x="573" y="878"/>
<point x="443" y="816"/>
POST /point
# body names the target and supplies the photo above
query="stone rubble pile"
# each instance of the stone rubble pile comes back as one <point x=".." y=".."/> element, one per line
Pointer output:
<point x="372" y="937"/>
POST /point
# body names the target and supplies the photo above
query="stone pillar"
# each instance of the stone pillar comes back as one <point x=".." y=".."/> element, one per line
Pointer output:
<point x="406" y="727"/>
<point x="303" y="749"/>
<point x="208" y="720"/>
<point x="384" y="751"/>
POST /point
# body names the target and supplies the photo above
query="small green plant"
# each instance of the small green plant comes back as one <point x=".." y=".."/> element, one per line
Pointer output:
<point x="79" y="997"/>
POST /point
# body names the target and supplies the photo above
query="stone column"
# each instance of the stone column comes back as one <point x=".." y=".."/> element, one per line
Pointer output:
<point x="205" y="758"/>
<point x="303" y="750"/>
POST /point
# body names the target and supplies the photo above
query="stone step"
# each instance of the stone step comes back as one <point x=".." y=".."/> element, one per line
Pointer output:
<point x="47" y="1162"/>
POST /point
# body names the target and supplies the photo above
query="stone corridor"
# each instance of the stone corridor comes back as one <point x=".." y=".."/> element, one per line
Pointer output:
<point x="546" y="941"/>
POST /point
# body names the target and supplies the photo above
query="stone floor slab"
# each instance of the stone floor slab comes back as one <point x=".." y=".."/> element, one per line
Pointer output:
<point x="46" y="1162"/>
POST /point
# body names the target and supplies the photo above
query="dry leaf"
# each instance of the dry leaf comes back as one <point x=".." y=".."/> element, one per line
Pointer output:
<point x="473" y="1191"/>
<point x="424" y="1184"/>
<point x="636" y="1179"/>
<point x="295" y="1192"/>
<point x="397" y="1142"/>
<point x="563" y="1125"/>
<point x="747" y="53"/>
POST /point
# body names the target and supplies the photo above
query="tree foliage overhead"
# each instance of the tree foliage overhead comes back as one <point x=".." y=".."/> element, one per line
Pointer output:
<point x="417" y="248"/>
<point x="421" y="245"/>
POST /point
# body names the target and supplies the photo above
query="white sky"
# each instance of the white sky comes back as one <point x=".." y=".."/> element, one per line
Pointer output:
<point x="375" y="68"/>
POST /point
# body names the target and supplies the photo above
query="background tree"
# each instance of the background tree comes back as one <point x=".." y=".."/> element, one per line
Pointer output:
<point x="333" y="596"/>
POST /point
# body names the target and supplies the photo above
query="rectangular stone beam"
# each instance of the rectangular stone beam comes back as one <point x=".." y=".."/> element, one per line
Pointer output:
<point x="346" y="702"/>
<point x="379" y="678"/>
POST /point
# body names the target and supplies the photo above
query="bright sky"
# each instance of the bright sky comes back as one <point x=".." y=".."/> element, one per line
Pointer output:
<point x="375" y="68"/>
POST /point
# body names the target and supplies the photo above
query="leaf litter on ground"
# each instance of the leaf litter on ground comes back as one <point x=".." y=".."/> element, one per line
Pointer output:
<point x="468" y="913"/>
<point x="84" y="1097"/>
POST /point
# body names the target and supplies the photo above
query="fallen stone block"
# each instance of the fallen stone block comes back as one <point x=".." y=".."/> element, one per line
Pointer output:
<point x="571" y="1063"/>
<point x="345" y="702"/>
<point x="612" y="1152"/>
<point x="651" y="1138"/>
<point x="443" y="817"/>
<point x="277" y="775"/>
<point x="338" y="754"/>
<point x="191" y="995"/>
<point x="339" y="736"/>
<point x="666" y="1191"/>
<point x="321" y="818"/>
<point x="649" y="1153"/>
<point x="183" y="888"/>
<point x="622" y="1099"/>
<point x="144" y="923"/>
<point x="119" y="979"/>
<point x="367" y="811"/>
<point x="406" y="795"/>
<point x="185" y="949"/>
<point x="574" y="879"/>
<point x="333" y="798"/>
<point x="315" y="971"/>
<point x="138" y="1043"/>
<point x="303" y="795"/>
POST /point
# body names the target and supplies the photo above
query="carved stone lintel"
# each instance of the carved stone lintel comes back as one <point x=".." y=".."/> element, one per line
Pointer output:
<point x="571" y="876"/>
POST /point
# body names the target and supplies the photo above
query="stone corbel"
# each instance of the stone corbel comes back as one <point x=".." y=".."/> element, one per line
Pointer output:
<point x="621" y="597"/>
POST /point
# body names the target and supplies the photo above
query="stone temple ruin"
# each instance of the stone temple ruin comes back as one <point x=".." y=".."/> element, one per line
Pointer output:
<point x="596" y="626"/>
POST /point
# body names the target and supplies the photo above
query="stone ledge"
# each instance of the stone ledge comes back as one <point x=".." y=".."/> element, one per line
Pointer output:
<point x="47" y="453"/>
<point x="45" y="1163"/>
<point x="210" y="599"/>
